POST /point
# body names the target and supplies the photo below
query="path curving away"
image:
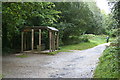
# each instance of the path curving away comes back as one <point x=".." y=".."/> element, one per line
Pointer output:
<point x="75" y="64"/>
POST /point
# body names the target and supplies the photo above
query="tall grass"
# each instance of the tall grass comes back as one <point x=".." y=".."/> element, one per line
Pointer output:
<point x="108" y="66"/>
<point x="1" y="76"/>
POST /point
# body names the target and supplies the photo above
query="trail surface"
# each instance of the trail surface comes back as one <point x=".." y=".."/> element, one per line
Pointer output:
<point x="75" y="64"/>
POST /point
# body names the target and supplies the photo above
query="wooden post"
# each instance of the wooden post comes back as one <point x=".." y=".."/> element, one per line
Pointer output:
<point x="40" y="39"/>
<point x="50" y="41"/>
<point x="22" y="33"/>
<point x="32" y="39"/>
<point x="54" y="40"/>
<point x="57" y="40"/>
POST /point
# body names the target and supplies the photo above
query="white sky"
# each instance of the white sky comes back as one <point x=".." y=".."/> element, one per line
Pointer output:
<point x="103" y="5"/>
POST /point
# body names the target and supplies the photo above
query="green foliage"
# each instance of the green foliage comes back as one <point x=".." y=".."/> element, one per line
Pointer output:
<point x="1" y="76"/>
<point x="108" y="64"/>
<point x="110" y="25"/>
<point x="98" y="39"/>
<point x="16" y="15"/>
<point x="97" y="19"/>
<point x="110" y="60"/>
<point x="84" y="38"/>
<point x="113" y="33"/>
<point x="73" y="19"/>
<point x="77" y="18"/>
<point x="76" y="39"/>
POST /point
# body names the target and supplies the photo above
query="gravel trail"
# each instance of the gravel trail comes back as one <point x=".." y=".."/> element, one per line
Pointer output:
<point x="74" y="64"/>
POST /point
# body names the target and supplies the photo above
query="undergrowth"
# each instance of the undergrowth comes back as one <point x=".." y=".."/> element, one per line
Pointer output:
<point x="108" y="66"/>
<point x="1" y="76"/>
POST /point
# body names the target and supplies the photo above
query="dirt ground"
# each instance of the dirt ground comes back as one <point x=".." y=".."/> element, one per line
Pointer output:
<point x="74" y="64"/>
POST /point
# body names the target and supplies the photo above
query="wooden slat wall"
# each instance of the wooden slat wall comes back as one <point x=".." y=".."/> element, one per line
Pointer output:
<point x="57" y="44"/>
<point x="50" y="41"/>
<point x="53" y="39"/>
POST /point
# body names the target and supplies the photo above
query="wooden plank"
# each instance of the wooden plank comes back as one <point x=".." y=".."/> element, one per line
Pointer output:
<point x="54" y="41"/>
<point x="32" y="39"/>
<point x="57" y="40"/>
<point x="50" y="41"/>
<point x="22" y="34"/>
<point x="40" y="39"/>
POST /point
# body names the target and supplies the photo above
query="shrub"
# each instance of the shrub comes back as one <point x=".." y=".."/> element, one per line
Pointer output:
<point x="108" y="64"/>
<point x="113" y="32"/>
<point x="84" y="38"/>
<point x="76" y="39"/>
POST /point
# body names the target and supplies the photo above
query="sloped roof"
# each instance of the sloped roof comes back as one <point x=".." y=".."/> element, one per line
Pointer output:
<point x="28" y="28"/>
<point x="52" y="28"/>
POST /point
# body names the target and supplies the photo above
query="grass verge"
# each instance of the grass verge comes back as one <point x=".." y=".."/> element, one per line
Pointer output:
<point x="94" y="40"/>
<point x="80" y="46"/>
<point x="108" y="66"/>
<point x="1" y="76"/>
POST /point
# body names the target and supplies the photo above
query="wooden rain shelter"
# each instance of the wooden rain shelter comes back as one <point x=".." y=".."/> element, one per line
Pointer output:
<point x="53" y="37"/>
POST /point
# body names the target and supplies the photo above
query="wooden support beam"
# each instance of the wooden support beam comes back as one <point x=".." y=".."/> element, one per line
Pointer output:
<point x="22" y="34"/>
<point x="54" y="41"/>
<point x="40" y="39"/>
<point x="32" y="39"/>
<point x="57" y="41"/>
<point x="50" y="41"/>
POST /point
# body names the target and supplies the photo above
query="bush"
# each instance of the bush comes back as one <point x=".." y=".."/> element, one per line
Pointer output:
<point x="113" y="32"/>
<point x="84" y="38"/>
<point x="76" y="39"/>
<point x="109" y="63"/>
<point x="72" y="40"/>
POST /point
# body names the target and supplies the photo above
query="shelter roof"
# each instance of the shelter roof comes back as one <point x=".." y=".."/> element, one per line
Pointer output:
<point x="28" y="28"/>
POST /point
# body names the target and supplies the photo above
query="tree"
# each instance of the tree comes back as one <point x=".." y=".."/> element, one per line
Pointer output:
<point x="78" y="18"/>
<point x="16" y="15"/>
